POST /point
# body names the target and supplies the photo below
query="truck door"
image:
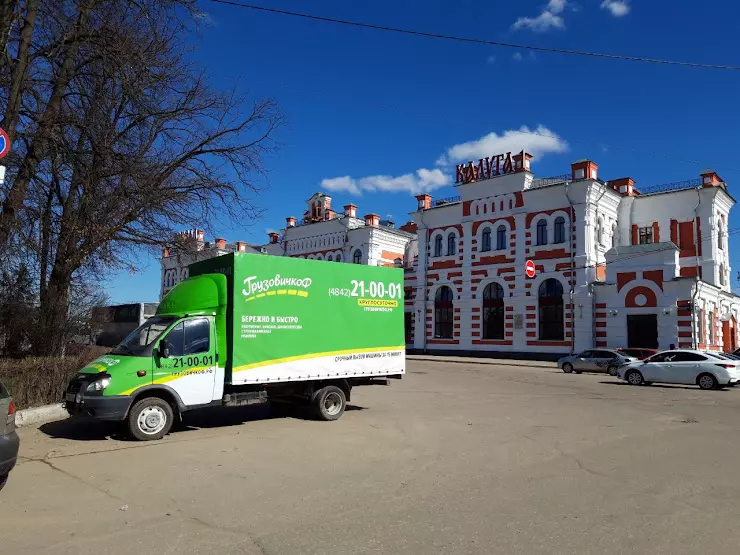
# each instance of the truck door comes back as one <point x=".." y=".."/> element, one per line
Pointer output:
<point x="189" y="366"/>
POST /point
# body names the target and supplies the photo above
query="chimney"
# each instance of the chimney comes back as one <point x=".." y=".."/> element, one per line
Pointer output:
<point x="290" y="221"/>
<point x="241" y="246"/>
<point x="625" y="186"/>
<point x="350" y="210"/>
<point x="220" y="243"/>
<point x="166" y="252"/>
<point x="709" y="178"/>
<point x="200" y="235"/>
<point x="372" y="220"/>
<point x="274" y="237"/>
<point x="584" y="169"/>
<point x="521" y="162"/>
<point x="424" y="202"/>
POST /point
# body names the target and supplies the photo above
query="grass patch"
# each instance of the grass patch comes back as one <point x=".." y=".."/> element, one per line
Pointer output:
<point x="37" y="381"/>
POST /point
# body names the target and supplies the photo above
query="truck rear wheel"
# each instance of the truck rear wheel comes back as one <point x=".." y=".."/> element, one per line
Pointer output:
<point x="150" y="418"/>
<point x="329" y="403"/>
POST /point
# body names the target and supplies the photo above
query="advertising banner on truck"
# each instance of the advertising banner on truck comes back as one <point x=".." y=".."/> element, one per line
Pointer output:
<point x="301" y="319"/>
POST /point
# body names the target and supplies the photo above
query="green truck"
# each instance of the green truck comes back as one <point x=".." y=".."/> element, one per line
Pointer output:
<point x="250" y="328"/>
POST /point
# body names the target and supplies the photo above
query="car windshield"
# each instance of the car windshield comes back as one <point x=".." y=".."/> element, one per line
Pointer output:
<point x="716" y="355"/>
<point x="140" y="341"/>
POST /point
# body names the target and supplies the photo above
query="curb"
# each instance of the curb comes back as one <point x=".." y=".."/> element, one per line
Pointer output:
<point x="489" y="361"/>
<point x="39" y="415"/>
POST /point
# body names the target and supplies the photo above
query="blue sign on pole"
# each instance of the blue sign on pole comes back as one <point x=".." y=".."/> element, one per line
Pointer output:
<point x="4" y="143"/>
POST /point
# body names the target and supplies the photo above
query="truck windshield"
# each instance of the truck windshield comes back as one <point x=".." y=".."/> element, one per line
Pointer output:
<point x="140" y="341"/>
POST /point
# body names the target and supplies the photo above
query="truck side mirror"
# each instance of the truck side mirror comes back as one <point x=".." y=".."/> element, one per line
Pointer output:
<point x="164" y="349"/>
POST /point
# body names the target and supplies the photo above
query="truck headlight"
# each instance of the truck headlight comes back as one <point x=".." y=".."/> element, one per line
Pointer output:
<point x="100" y="384"/>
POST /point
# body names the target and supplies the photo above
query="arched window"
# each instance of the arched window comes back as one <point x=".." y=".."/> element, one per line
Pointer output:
<point x="558" y="232"/>
<point x="493" y="311"/>
<point x="451" y="244"/>
<point x="357" y="257"/>
<point x="486" y="240"/>
<point x="542" y="232"/>
<point x="721" y="274"/>
<point x="438" y="245"/>
<point x="600" y="231"/>
<point x="721" y="236"/>
<point x="443" y="313"/>
<point x="501" y="238"/>
<point x="339" y="258"/>
<point x="550" y="299"/>
<point x="614" y="235"/>
<point x="330" y="258"/>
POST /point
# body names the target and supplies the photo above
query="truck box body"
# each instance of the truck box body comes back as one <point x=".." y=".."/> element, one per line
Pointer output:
<point x="290" y="319"/>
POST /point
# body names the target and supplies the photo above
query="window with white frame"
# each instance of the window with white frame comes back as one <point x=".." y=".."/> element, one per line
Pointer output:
<point x="438" y="245"/>
<point x="501" y="238"/>
<point x="542" y="232"/>
<point x="450" y="244"/>
<point x="558" y="232"/>
<point x="486" y="240"/>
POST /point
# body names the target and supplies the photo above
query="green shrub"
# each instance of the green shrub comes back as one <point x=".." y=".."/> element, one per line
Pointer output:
<point x="37" y="381"/>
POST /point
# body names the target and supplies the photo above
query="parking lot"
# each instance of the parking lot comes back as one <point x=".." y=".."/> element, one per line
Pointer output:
<point x="455" y="458"/>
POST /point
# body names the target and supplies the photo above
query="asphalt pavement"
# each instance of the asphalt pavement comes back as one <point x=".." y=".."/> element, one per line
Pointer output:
<point x="455" y="458"/>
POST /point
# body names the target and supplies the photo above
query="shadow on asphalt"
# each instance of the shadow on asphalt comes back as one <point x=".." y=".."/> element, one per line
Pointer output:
<point x="89" y="429"/>
<point x="667" y="386"/>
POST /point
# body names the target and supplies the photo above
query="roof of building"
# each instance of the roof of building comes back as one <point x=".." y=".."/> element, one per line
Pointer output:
<point x="642" y="249"/>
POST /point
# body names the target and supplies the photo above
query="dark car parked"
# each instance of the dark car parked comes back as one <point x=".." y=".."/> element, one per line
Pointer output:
<point x="8" y="438"/>
<point x="639" y="353"/>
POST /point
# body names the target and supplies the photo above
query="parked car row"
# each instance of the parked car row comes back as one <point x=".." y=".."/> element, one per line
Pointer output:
<point x="708" y="370"/>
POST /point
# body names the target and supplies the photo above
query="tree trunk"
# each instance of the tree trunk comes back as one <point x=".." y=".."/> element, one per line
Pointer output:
<point x="53" y="312"/>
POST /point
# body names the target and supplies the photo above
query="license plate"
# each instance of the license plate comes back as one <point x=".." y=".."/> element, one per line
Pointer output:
<point x="70" y="397"/>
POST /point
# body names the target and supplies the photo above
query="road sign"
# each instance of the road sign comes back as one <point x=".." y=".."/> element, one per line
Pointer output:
<point x="4" y="143"/>
<point x="529" y="269"/>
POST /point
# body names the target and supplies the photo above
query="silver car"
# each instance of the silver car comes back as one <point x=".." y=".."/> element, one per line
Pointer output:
<point x="595" y="360"/>
<point x="8" y="437"/>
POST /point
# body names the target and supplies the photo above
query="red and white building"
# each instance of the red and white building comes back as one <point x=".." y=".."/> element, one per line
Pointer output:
<point x="615" y="265"/>
<point x="322" y="234"/>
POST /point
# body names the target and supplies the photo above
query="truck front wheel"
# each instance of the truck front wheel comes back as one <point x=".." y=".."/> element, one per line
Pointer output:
<point x="330" y="402"/>
<point x="150" y="418"/>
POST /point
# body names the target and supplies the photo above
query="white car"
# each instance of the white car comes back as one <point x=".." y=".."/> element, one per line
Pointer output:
<point x="707" y="370"/>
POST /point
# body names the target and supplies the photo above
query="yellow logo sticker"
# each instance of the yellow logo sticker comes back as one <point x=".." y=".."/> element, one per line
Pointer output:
<point x="383" y="303"/>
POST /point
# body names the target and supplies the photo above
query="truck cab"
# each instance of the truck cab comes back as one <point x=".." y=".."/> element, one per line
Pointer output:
<point x="173" y="357"/>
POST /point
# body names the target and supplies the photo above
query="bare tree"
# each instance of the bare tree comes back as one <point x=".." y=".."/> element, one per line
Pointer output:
<point x="134" y="146"/>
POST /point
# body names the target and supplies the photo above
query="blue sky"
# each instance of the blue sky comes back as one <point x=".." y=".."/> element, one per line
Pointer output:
<point x="370" y="114"/>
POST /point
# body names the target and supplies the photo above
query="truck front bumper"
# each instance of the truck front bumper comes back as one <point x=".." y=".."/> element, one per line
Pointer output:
<point x="114" y="407"/>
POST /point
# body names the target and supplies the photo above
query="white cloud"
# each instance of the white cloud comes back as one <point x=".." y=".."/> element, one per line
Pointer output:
<point x="422" y="180"/>
<point x="537" y="142"/>
<point x="548" y="19"/>
<point x="491" y="59"/>
<point x="618" y="8"/>
<point x="518" y="56"/>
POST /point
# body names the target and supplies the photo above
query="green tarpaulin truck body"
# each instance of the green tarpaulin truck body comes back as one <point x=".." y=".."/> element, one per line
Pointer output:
<point x="250" y="328"/>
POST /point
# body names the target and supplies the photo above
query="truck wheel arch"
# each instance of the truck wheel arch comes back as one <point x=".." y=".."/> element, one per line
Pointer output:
<point x="342" y="384"/>
<point x="163" y="392"/>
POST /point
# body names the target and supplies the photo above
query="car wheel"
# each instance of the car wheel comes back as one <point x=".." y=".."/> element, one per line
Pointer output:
<point x="707" y="381"/>
<point x="634" y="377"/>
<point x="612" y="370"/>
<point x="567" y="368"/>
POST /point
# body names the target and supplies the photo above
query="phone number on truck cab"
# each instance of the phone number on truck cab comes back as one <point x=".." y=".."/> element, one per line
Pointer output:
<point x="372" y="289"/>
